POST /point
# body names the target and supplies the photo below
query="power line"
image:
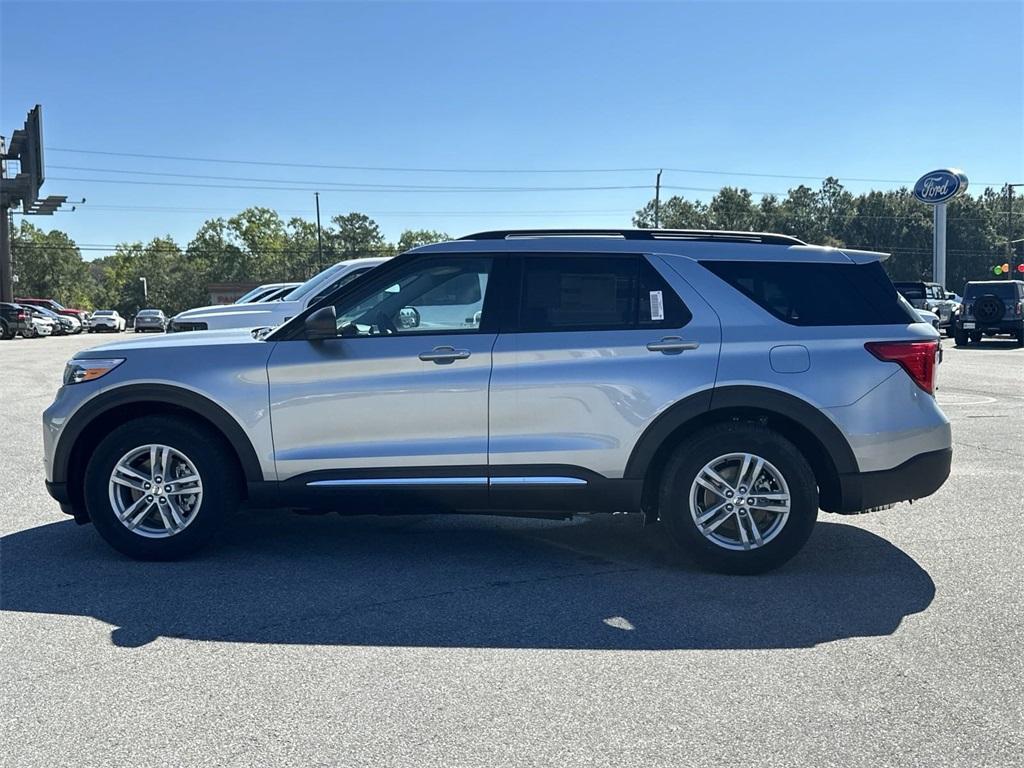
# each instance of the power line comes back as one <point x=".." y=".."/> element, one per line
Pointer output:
<point x="525" y="171"/>
<point x="318" y="186"/>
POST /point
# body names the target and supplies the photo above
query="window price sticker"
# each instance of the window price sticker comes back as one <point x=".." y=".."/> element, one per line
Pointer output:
<point x="657" y="306"/>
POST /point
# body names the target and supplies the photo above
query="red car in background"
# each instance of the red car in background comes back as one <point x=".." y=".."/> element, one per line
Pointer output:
<point x="53" y="306"/>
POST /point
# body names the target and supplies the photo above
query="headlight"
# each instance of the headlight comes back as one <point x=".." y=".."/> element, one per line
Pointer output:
<point x="77" y="371"/>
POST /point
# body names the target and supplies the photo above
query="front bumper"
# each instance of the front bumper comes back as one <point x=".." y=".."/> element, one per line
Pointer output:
<point x="59" y="493"/>
<point x="913" y="479"/>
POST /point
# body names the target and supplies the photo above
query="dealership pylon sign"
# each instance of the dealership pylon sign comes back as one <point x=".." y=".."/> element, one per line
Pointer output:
<point x="936" y="189"/>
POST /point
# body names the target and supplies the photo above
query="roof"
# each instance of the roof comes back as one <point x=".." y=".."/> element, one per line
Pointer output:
<point x="698" y="245"/>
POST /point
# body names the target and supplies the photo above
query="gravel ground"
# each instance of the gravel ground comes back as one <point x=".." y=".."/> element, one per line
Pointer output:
<point x="893" y="639"/>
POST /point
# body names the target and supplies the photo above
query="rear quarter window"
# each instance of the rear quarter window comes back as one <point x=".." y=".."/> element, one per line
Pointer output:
<point x="807" y="293"/>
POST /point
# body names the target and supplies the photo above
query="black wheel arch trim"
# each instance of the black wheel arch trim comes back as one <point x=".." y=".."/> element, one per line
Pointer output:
<point x="734" y="397"/>
<point x="161" y="393"/>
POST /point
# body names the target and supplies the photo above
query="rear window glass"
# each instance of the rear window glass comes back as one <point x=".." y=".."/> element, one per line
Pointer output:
<point x="817" y="294"/>
<point x="911" y="290"/>
<point x="1002" y="290"/>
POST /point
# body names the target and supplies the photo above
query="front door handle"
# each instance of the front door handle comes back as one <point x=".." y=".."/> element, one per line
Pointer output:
<point x="672" y="345"/>
<point x="444" y="355"/>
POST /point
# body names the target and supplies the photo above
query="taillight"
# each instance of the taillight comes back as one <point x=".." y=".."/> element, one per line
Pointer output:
<point x="1020" y="308"/>
<point x="916" y="357"/>
<point x="21" y="315"/>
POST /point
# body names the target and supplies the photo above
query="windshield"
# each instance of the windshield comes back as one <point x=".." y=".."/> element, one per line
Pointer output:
<point x="247" y="297"/>
<point x="274" y="295"/>
<point x="315" y="281"/>
<point x="1002" y="290"/>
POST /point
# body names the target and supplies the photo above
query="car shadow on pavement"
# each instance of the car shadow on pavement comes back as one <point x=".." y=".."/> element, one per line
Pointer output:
<point x="602" y="582"/>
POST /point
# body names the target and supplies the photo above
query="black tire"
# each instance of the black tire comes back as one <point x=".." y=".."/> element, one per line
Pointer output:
<point x="5" y="331"/>
<point x="213" y="460"/>
<point x="960" y="338"/>
<point x="976" y="337"/>
<point x="1020" y="336"/>
<point x="716" y="441"/>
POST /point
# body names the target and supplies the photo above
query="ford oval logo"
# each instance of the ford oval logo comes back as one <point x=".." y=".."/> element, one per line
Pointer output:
<point x="940" y="186"/>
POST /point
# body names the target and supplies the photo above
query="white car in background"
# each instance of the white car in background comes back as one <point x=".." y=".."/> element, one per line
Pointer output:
<point x="37" y="324"/>
<point x="272" y="313"/>
<point x="106" y="320"/>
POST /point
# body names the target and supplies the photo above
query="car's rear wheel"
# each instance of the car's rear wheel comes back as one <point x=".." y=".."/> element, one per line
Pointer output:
<point x="5" y="331"/>
<point x="738" y="498"/>
<point x="158" y="488"/>
<point x="960" y="338"/>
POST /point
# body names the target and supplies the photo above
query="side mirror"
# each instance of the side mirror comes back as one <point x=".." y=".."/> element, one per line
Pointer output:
<point x="322" y="324"/>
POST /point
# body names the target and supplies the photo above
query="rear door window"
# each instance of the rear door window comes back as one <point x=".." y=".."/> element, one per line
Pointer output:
<point x="595" y="292"/>
<point x="807" y="293"/>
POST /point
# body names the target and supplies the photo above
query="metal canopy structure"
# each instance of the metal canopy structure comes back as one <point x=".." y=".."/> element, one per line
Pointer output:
<point x="25" y="148"/>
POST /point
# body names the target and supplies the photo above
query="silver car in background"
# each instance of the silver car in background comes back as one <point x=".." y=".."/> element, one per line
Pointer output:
<point x="726" y="384"/>
<point x="150" y="321"/>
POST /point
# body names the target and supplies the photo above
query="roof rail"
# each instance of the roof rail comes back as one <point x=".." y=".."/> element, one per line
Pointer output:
<point x="764" y="238"/>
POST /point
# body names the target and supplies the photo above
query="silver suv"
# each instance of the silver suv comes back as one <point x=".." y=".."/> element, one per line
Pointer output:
<point x="711" y="381"/>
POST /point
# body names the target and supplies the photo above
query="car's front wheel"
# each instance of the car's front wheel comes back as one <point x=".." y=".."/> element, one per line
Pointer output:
<point x="157" y="488"/>
<point x="738" y="498"/>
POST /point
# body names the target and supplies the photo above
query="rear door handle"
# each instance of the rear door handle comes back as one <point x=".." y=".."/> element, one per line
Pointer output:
<point x="444" y="355"/>
<point x="671" y="345"/>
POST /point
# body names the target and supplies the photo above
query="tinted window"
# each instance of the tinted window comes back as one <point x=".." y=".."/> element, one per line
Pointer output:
<point x="1005" y="290"/>
<point x="565" y="293"/>
<point x="911" y="290"/>
<point x="817" y="294"/>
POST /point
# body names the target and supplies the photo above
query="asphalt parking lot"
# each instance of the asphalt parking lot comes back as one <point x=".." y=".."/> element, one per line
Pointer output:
<point x="892" y="639"/>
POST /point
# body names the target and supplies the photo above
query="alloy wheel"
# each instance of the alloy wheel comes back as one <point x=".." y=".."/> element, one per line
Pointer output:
<point x="739" y="501"/>
<point x="155" y="491"/>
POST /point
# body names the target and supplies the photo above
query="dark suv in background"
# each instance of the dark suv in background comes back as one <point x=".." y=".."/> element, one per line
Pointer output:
<point x="991" y="307"/>
<point x="13" y="320"/>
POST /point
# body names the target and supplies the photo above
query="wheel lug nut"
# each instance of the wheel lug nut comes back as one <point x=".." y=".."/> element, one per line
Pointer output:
<point x="158" y="480"/>
<point x="163" y="499"/>
<point x="751" y="501"/>
<point x="168" y="488"/>
<point x="743" y="489"/>
<point x="149" y="498"/>
<point x="728" y="507"/>
<point x="728" y="494"/>
<point x="147" y="486"/>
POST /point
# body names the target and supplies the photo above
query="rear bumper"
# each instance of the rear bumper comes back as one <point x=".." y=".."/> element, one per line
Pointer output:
<point x="1000" y="326"/>
<point x="913" y="479"/>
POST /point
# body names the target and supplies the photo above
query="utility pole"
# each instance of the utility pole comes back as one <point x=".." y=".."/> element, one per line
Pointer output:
<point x="145" y="291"/>
<point x="319" y="240"/>
<point x="657" y="200"/>
<point x="1010" y="252"/>
<point x="6" y="265"/>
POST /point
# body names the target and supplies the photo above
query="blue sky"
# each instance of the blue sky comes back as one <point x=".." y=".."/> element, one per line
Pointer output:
<point x="868" y="90"/>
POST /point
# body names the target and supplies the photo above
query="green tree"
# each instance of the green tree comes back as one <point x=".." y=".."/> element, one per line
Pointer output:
<point x="674" y="213"/>
<point x="356" y="234"/>
<point x="413" y="238"/>
<point x="49" y="265"/>
<point x="733" y="208"/>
